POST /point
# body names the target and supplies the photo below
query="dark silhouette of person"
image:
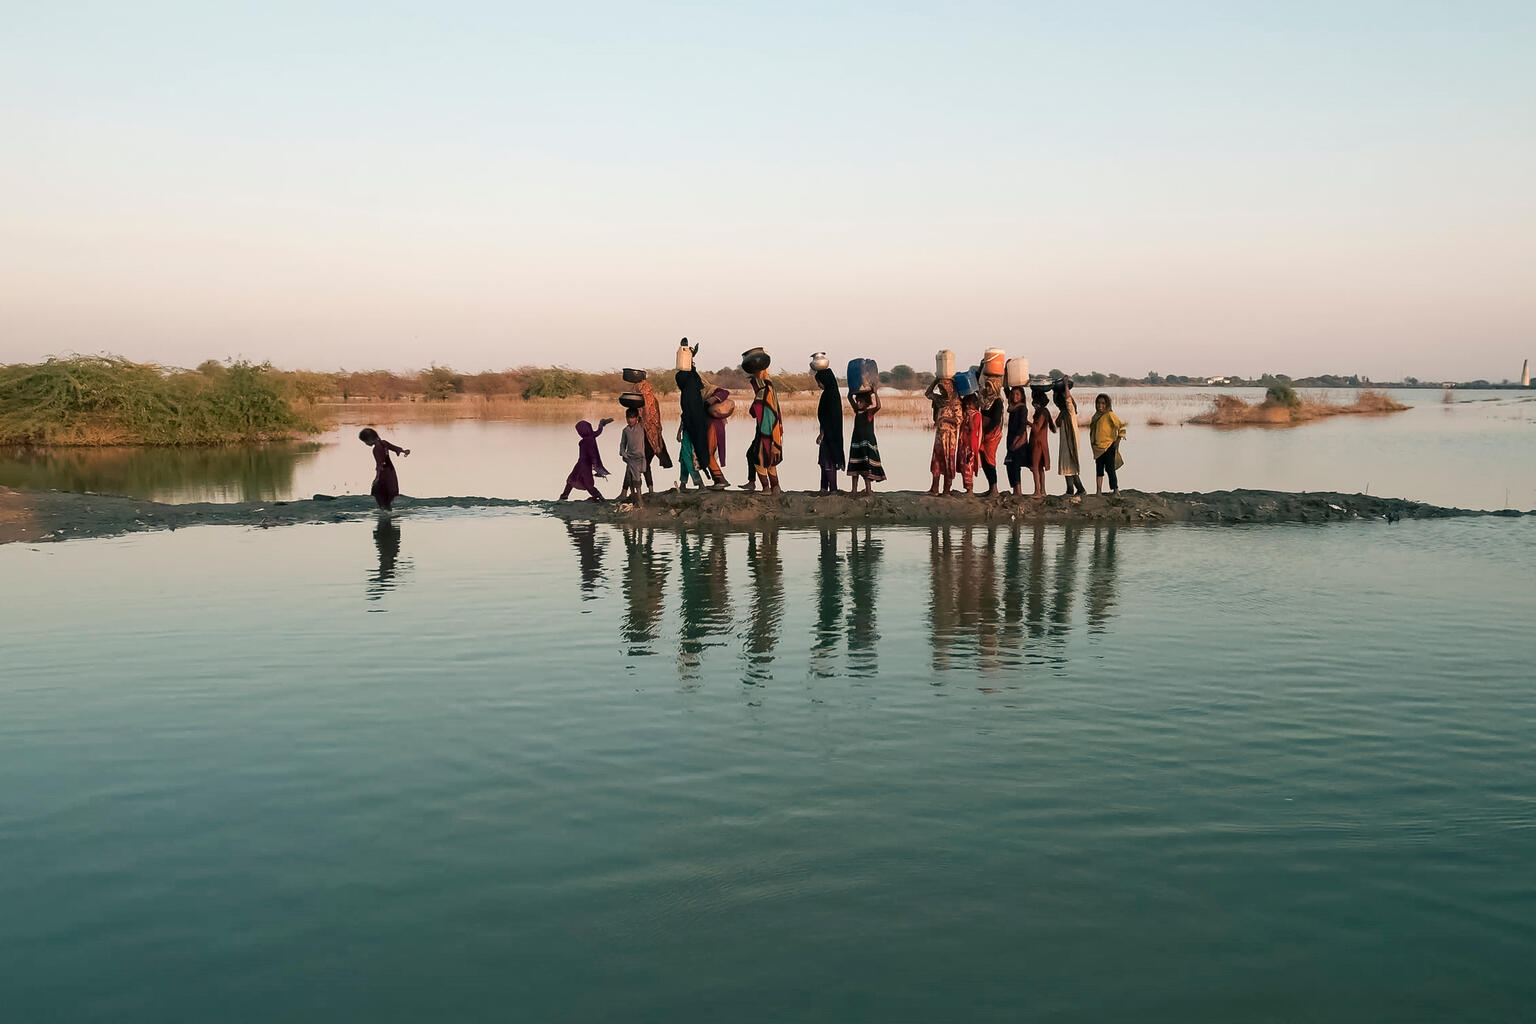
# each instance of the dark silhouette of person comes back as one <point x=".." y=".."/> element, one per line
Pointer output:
<point x="386" y="538"/>
<point x="589" y="555"/>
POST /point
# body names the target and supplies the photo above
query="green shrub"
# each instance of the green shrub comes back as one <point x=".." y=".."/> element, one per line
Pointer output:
<point x="1282" y="394"/>
<point x="555" y="382"/>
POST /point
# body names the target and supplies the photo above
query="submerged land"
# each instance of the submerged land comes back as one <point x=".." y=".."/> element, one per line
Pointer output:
<point x="49" y="516"/>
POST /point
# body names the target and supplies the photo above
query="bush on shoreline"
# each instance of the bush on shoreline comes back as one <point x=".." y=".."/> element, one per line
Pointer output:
<point x="107" y="400"/>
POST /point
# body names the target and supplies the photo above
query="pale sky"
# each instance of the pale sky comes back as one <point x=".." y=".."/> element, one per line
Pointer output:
<point x="1200" y="188"/>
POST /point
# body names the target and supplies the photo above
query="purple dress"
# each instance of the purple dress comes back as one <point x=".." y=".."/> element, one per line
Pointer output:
<point x="386" y="485"/>
<point x="588" y="460"/>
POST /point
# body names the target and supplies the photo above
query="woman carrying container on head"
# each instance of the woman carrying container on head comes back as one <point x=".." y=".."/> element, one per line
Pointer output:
<point x="864" y="450"/>
<point x="767" y="449"/>
<point x="992" y="415"/>
<point x="946" y="432"/>
<point x="650" y="417"/>
<point x="693" y="434"/>
<point x="829" y="417"/>
<point x="968" y="454"/>
<point x="1105" y="432"/>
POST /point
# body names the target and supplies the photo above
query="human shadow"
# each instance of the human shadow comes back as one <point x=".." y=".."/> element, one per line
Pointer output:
<point x="590" y="547"/>
<point x="386" y="541"/>
<point x="765" y="571"/>
<point x="865" y="555"/>
<point x="645" y="581"/>
<point x="704" y="599"/>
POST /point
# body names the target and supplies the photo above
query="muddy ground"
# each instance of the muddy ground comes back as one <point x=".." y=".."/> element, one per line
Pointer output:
<point x="32" y="516"/>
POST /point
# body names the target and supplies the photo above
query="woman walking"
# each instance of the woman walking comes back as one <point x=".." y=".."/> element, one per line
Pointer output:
<point x="695" y="450"/>
<point x="864" y="450"/>
<point x="1067" y="459"/>
<point x="946" y="432"/>
<point x="386" y="485"/>
<point x="589" y="462"/>
<point x="991" y="435"/>
<point x="829" y="416"/>
<point x="767" y="449"/>
<point x="968" y="453"/>
<point x="1040" y="430"/>
<point x="1105" y="432"/>
<point x="655" y="444"/>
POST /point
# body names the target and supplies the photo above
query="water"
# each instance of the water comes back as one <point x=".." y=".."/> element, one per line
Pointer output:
<point x="1474" y="453"/>
<point x="477" y="766"/>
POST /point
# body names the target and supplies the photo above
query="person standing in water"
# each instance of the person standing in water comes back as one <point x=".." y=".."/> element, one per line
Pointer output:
<point x="946" y="432"/>
<point x="589" y="462"/>
<point x="1068" y="461"/>
<point x="992" y="415"/>
<point x="386" y="485"/>
<point x="864" y="450"/>
<point x="693" y="434"/>
<point x="767" y="449"/>
<point x="1040" y="431"/>
<point x="829" y="416"/>
<point x="1105" y="432"/>
<point x="1018" y="438"/>
<point x="632" y="449"/>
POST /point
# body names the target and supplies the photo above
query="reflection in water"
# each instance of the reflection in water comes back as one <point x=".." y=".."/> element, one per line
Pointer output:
<point x="705" y="602"/>
<point x="248" y="472"/>
<point x="863" y="574"/>
<point x="829" y="607"/>
<point x="645" y="579"/>
<point x="767" y="575"/>
<point x="1000" y="597"/>
<point x="589" y="554"/>
<point x="386" y="538"/>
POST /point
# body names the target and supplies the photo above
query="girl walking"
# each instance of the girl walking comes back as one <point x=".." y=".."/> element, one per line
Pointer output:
<point x="946" y="432"/>
<point x="864" y="450"/>
<point x="968" y="455"/>
<point x="767" y="449"/>
<point x="1067" y="459"/>
<point x="386" y="485"/>
<point x="1018" y="438"/>
<point x="589" y="462"/>
<point x="829" y="416"/>
<point x="1040" y="431"/>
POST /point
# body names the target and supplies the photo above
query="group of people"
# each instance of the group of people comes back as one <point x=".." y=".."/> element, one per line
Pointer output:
<point x="968" y="431"/>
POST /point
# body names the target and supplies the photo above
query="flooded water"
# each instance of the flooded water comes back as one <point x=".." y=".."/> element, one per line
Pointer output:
<point x="1473" y="453"/>
<point x="475" y="766"/>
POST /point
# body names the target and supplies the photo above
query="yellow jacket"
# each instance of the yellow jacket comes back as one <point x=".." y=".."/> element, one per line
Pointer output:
<point x="1104" y="430"/>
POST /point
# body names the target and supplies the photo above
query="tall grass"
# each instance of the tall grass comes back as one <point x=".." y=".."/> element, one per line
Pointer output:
<point x="102" y="400"/>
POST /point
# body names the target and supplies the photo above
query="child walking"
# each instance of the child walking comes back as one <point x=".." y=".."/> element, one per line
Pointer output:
<point x="968" y="454"/>
<point x="589" y="463"/>
<point x="864" y="450"/>
<point x="1040" y="431"/>
<point x="1105" y="432"/>
<point x="632" y="449"/>
<point x="386" y="485"/>
<point x="1018" y="438"/>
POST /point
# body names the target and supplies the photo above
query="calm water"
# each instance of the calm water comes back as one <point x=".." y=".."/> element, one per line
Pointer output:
<point x="491" y="767"/>
<point x="1474" y="453"/>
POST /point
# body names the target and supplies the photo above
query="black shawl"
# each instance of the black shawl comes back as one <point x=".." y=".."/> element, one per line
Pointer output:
<point x="690" y="396"/>
<point x="829" y="412"/>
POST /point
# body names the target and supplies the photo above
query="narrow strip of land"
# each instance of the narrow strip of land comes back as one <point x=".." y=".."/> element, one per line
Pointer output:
<point x="38" y="516"/>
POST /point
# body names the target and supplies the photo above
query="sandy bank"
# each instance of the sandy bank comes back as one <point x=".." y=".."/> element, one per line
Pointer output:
<point x="57" y="515"/>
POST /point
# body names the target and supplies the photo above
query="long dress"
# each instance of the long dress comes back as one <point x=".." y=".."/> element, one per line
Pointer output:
<point x="946" y="428"/>
<point x="829" y="416"/>
<point x="655" y="443"/>
<point x="968" y="454"/>
<point x="690" y="399"/>
<point x="864" y="450"/>
<point x="386" y="485"/>
<point x="1018" y="427"/>
<point x="991" y="432"/>
<point x="1040" y="439"/>
<point x="717" y="426"/>
<point x="1068" y="461"/>
<point x="768" y="445"/>
<point x="589" y="462"/>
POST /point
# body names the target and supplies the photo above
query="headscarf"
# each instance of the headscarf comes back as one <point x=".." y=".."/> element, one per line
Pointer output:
<point x="651" y="417"/>
<point x="586" y="450"/>
<point x="690" y="398"/>
<point x="829" y="411"/>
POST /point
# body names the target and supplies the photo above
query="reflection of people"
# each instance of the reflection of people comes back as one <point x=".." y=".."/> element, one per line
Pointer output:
<point x="589" y="554"/>
<point x="829" y="602"/>
<point x="645" y="579"/>
<point x="767" y="575"/>
<point x="1101" y="578"/>
<point x="386" y="485"/>
<point x="589" y="463"/>
<point x="863" y="577"/>
<point x="1066" y="579"/>
<point x="1105" y="432"/>
<point x="704" y="606"/>
<point x="386" y="537"/>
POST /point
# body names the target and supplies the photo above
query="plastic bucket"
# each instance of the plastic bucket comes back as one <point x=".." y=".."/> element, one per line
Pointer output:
<point x="994" y="361"/>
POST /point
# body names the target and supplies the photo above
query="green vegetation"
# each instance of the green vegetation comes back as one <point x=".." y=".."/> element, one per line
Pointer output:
<point x="1282" y="394"/>
<point x="101" y="400"/>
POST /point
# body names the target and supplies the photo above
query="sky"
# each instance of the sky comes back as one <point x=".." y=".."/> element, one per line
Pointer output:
<point x="1194" y="188"/>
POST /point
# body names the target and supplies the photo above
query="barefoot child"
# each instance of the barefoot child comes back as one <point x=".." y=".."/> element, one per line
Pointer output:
<point x="1018" y="438"/>
<point x="1040" y="431"/>
<point x="386" y="485"/>
<point x="864" y="450"/>
<point x="632" y="449"/>
<point x="588" y="462"/>
<point x="968" y="455"/>
<point x="1105" y="432"/>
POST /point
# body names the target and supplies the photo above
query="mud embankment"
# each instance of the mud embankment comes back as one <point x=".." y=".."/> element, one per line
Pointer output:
<point x="34" y="516"/>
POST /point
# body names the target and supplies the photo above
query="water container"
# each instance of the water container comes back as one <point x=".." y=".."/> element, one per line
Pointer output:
<point x="944" y="364"/>
<point x="631" y="400"/>
<point x="965" y="383"/>
<point x="632" y="376"/>
<point x="684" y="356"/>
<point x="993" y="362"/>
<point x="754" y="359"/>
<point x="819" y="361"/>
<point x="1017" y="373"/>
<point x="722" y="409"/>
<point x="863" y="375"/>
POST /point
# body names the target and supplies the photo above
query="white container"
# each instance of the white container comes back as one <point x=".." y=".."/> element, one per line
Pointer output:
<point x="1017" y="373"/>
<point x="944" y="365"/>
<point x="684" y="357"/>
<point x="819" y="361"/>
